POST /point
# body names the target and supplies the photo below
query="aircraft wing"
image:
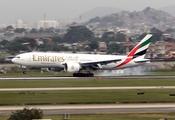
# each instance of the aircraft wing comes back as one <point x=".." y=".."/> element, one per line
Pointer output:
<point x="102" y="62"/>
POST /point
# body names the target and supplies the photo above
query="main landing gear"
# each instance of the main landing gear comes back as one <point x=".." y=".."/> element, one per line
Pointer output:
<point x="83" y="74"/>
<point x="88" y="74"/>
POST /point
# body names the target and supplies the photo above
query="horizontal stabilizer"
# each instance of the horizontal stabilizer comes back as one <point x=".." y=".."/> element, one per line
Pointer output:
<point x="142" y="60"/>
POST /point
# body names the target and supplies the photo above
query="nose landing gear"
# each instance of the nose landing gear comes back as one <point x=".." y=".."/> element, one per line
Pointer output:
<point x="24" y="72"/>
<point x="24" y="67"/>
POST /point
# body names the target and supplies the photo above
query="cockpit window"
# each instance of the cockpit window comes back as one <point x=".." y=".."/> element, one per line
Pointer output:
<point x="17" y="57"/>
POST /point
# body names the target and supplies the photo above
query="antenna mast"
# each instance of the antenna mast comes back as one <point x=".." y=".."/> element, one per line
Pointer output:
<point x="44" y="21"/>
<point x="127" y="44"/>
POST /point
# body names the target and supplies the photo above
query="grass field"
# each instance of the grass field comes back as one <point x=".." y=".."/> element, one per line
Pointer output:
<point x="30" y="74"/>
<point x="119" y="116"/>
<point x="98" y="96"/>
<point x="88" y="82"/>
<point x="83" y="97"/>
<point x="37" y="73"/>
<point x="3" y="55"/>
<point x="86" y="96"/>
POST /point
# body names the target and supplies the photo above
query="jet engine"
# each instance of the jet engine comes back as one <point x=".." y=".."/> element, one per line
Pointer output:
<point x="54" y="69"/>
<point x="72" y="67"/>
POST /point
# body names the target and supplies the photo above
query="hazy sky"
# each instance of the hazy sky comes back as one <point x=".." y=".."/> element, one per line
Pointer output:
<point x="33" y="10"/>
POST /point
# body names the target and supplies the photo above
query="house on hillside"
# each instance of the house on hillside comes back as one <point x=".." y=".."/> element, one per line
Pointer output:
<point x="102" y="47"/>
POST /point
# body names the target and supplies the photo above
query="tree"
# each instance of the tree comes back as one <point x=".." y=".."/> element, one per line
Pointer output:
<point x="121" y="37"/>
<point x="19" y="30"/>
<point x="169" y="30"/>
<point x="131" y="15"/>
<point x="9" y="27"/>
<point x="77" y="34"/>
<point x="154" y="29"/>
<point x="4" y="42"/>
<point x="74" y="24"/>
<point x="118" y="23"/>
<point x="59" y="48"/>
<point x="116" y="48"/>
<point x="109" y="36"/>
<point x="146" y="10"/>
<point x="15" y="46"/>
<point x="33" y="30"/>
<point x="32" y="43"/>
<point x="93" y="45"/>
<point x="157" y="35"/>
<point x="27" y="114"/>
<point x="108" y="19"/>
<point x="41" y="30"/>
<point x="57" y="39"/>
<point x="96" y="19"/>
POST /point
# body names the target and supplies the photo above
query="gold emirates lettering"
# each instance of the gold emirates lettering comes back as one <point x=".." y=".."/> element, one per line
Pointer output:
<point x="48" y="58"/>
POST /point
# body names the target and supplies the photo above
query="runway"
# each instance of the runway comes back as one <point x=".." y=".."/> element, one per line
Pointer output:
<point x="36" y="78"/>
<point x="85" y="78"/>
<point x="91" y="109"/>
<point x="86" y="88"/>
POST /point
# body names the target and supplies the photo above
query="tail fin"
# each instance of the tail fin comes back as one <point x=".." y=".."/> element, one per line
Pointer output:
<point x="138" y="51"/>
<point x="141" y="48"/>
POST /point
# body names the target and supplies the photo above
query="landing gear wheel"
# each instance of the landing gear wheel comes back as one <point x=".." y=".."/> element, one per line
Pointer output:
<point x="88" y="75"/>
<point x="24" y="72"/>
<point x="83" y="74"/>
<point x="91" y="74"/>
<point x="75" y="74"/>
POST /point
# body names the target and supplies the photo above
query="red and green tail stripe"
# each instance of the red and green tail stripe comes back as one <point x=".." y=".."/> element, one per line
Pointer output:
<point x="139" y="50"/>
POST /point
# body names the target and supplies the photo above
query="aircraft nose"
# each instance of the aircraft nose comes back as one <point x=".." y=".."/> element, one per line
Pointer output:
<point x="13" y="60"/>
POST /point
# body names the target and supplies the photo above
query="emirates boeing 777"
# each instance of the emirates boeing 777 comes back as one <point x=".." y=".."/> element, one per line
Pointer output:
<point x="75" y="63"/>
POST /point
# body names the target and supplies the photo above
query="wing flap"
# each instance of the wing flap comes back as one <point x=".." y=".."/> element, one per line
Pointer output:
<point x="102" y="62"/>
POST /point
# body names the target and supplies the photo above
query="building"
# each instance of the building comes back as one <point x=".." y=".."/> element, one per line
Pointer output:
<point x="102" y="47"/>
<point x="47" y="24"/>
<point x="20" y="24"/>
<point x="3" y="26"/>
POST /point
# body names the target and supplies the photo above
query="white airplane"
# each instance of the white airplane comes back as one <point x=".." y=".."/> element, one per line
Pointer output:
<point x="75" y="63"/>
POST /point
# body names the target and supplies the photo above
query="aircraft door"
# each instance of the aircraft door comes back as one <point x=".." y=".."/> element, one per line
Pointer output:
<point x="29" y="58"/>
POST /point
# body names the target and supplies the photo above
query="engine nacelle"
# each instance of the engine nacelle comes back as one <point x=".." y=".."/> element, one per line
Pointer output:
<point x="72" y="67"/>
<point x="54" y="69"/>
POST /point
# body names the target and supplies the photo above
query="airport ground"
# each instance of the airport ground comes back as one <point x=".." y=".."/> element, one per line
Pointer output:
<point x="114" y="97"/>
<point x="162" y="82"/>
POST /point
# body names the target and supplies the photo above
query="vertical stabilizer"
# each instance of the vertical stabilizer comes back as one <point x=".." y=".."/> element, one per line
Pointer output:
<point x="138" y="51"/>
<point x="141" y="48"/>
